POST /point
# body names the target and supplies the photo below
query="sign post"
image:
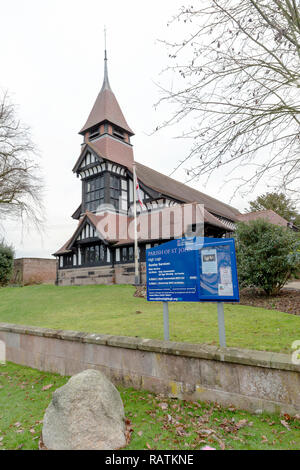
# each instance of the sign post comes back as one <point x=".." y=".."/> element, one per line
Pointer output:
<point x="166" y="321"/>
<point x="221" y="323"/>
<point x="193" y="270"/>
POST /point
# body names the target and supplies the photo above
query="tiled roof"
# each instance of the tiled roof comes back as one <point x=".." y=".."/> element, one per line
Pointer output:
<point x="174" y="226"/>
<point x="180" y="191"/>
<point x="268" y="215"/>
<point x="106" y="108"/>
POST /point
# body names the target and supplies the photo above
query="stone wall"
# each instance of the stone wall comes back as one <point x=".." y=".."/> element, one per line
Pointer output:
<point x="119" y="274"/>
<point x="85" y="276"/>
<point x="252" y="380"/>
<point x="34" y="270"/>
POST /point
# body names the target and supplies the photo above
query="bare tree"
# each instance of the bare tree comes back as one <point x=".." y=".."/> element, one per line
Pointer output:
<point x="239" y="64"/>
<point x="20" y="183"/>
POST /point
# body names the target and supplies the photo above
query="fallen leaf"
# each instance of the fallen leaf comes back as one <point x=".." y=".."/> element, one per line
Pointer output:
<point x="148" y="445"/>
<point x="242" y="423"/>
<point x="46" y="387"/>
<point x="140" y="433"/>
<point x="285" y="424"/>
<point x="163" y="406"/>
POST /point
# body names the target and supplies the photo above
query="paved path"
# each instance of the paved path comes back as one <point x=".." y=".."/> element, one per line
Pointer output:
<point x="293" y="285"/>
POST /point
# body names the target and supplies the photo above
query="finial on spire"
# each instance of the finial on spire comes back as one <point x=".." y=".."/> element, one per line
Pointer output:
<point x="105" y="55"/>
<point x="105" y="81"/>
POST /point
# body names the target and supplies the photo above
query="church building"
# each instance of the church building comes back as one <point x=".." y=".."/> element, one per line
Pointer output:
<point x="101" y="250"/>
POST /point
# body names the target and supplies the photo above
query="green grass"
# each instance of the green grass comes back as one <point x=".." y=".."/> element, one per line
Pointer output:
<point x="113" y="310"/>
<point x="157" y="422"/>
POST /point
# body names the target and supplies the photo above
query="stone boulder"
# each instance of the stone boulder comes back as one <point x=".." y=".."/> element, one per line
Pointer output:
<point x="85" y="414"/>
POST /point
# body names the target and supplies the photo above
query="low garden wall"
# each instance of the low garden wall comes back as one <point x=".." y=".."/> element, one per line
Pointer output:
<point x="252" y="380"/>
<point x="81" y="276"/>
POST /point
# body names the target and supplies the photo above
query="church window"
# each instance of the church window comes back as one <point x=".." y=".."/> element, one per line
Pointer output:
<point x="68" y="260"/>
<point x="94" y="193"/>
<point x="94" y="254"/>
<point x="127" y="254"/>
<point x="130" y="253"/>
<point x="124" y="255"/>
<point x="114" y="191"/>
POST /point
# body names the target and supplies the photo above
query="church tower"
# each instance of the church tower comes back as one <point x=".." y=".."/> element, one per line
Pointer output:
<point x="106" y="126"/>
<point x="105" y="162"/>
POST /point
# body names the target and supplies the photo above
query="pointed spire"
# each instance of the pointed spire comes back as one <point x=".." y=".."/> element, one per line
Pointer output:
<point x="106" y="84"/>
<point x="106" y="106"/>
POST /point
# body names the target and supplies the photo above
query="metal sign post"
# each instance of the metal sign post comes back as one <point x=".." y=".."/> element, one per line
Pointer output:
<point x="221" y="323"/>
<point x="166" y="321"/>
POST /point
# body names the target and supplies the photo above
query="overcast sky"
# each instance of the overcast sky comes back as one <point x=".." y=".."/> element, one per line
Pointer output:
<point x="52" y="67"/>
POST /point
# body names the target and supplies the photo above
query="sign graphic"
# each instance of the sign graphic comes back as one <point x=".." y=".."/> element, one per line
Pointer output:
<point x="192" y="270"/>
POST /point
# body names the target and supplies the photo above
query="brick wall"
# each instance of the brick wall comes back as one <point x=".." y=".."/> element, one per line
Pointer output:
<point x="120" y="274"/>
<point x="34" y="270"/>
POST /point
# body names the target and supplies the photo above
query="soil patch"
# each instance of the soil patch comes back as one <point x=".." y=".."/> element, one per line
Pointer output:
<point x="288" y="300"/>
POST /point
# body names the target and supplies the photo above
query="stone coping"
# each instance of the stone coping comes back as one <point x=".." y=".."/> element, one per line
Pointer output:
<point x="202" y="351"/>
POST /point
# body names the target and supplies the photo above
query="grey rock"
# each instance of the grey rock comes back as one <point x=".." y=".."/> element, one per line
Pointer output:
<point x="85" y="414"/>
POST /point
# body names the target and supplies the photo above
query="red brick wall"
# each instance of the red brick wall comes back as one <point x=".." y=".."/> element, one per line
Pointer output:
<point x="34" y="270"/>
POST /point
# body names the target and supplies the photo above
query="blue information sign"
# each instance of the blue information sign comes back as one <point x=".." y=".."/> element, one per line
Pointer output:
<point x="192" y="270"/>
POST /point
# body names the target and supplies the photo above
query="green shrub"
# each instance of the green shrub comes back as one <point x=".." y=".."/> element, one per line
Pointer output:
<point x="6" y="263"/>
<point x="267" y="255"/>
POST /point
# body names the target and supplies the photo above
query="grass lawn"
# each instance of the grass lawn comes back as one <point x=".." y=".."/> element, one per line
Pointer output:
<point x="114" y="310"/>
<point x="157" y="423"/>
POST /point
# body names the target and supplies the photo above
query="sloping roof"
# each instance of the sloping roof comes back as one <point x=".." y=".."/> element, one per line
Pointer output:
<point x="268" y="215"/>
<point x="180" y="191"/>
<point x="168" y="186"/>
<point x="63" y="249"/>
<point x="106" y="108"/>
<point x="120" y="224"/>
<point x="212" y="220"/>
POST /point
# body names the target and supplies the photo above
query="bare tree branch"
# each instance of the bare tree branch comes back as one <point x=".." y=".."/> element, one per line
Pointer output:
<point x="238" y="69"/>
<point x="20" y="181"/>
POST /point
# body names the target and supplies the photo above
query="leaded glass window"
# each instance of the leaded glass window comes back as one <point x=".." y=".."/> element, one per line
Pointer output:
<point x="94" y="254"/>
<point x="114" y="191"/>
<point x="94" y="193"/>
